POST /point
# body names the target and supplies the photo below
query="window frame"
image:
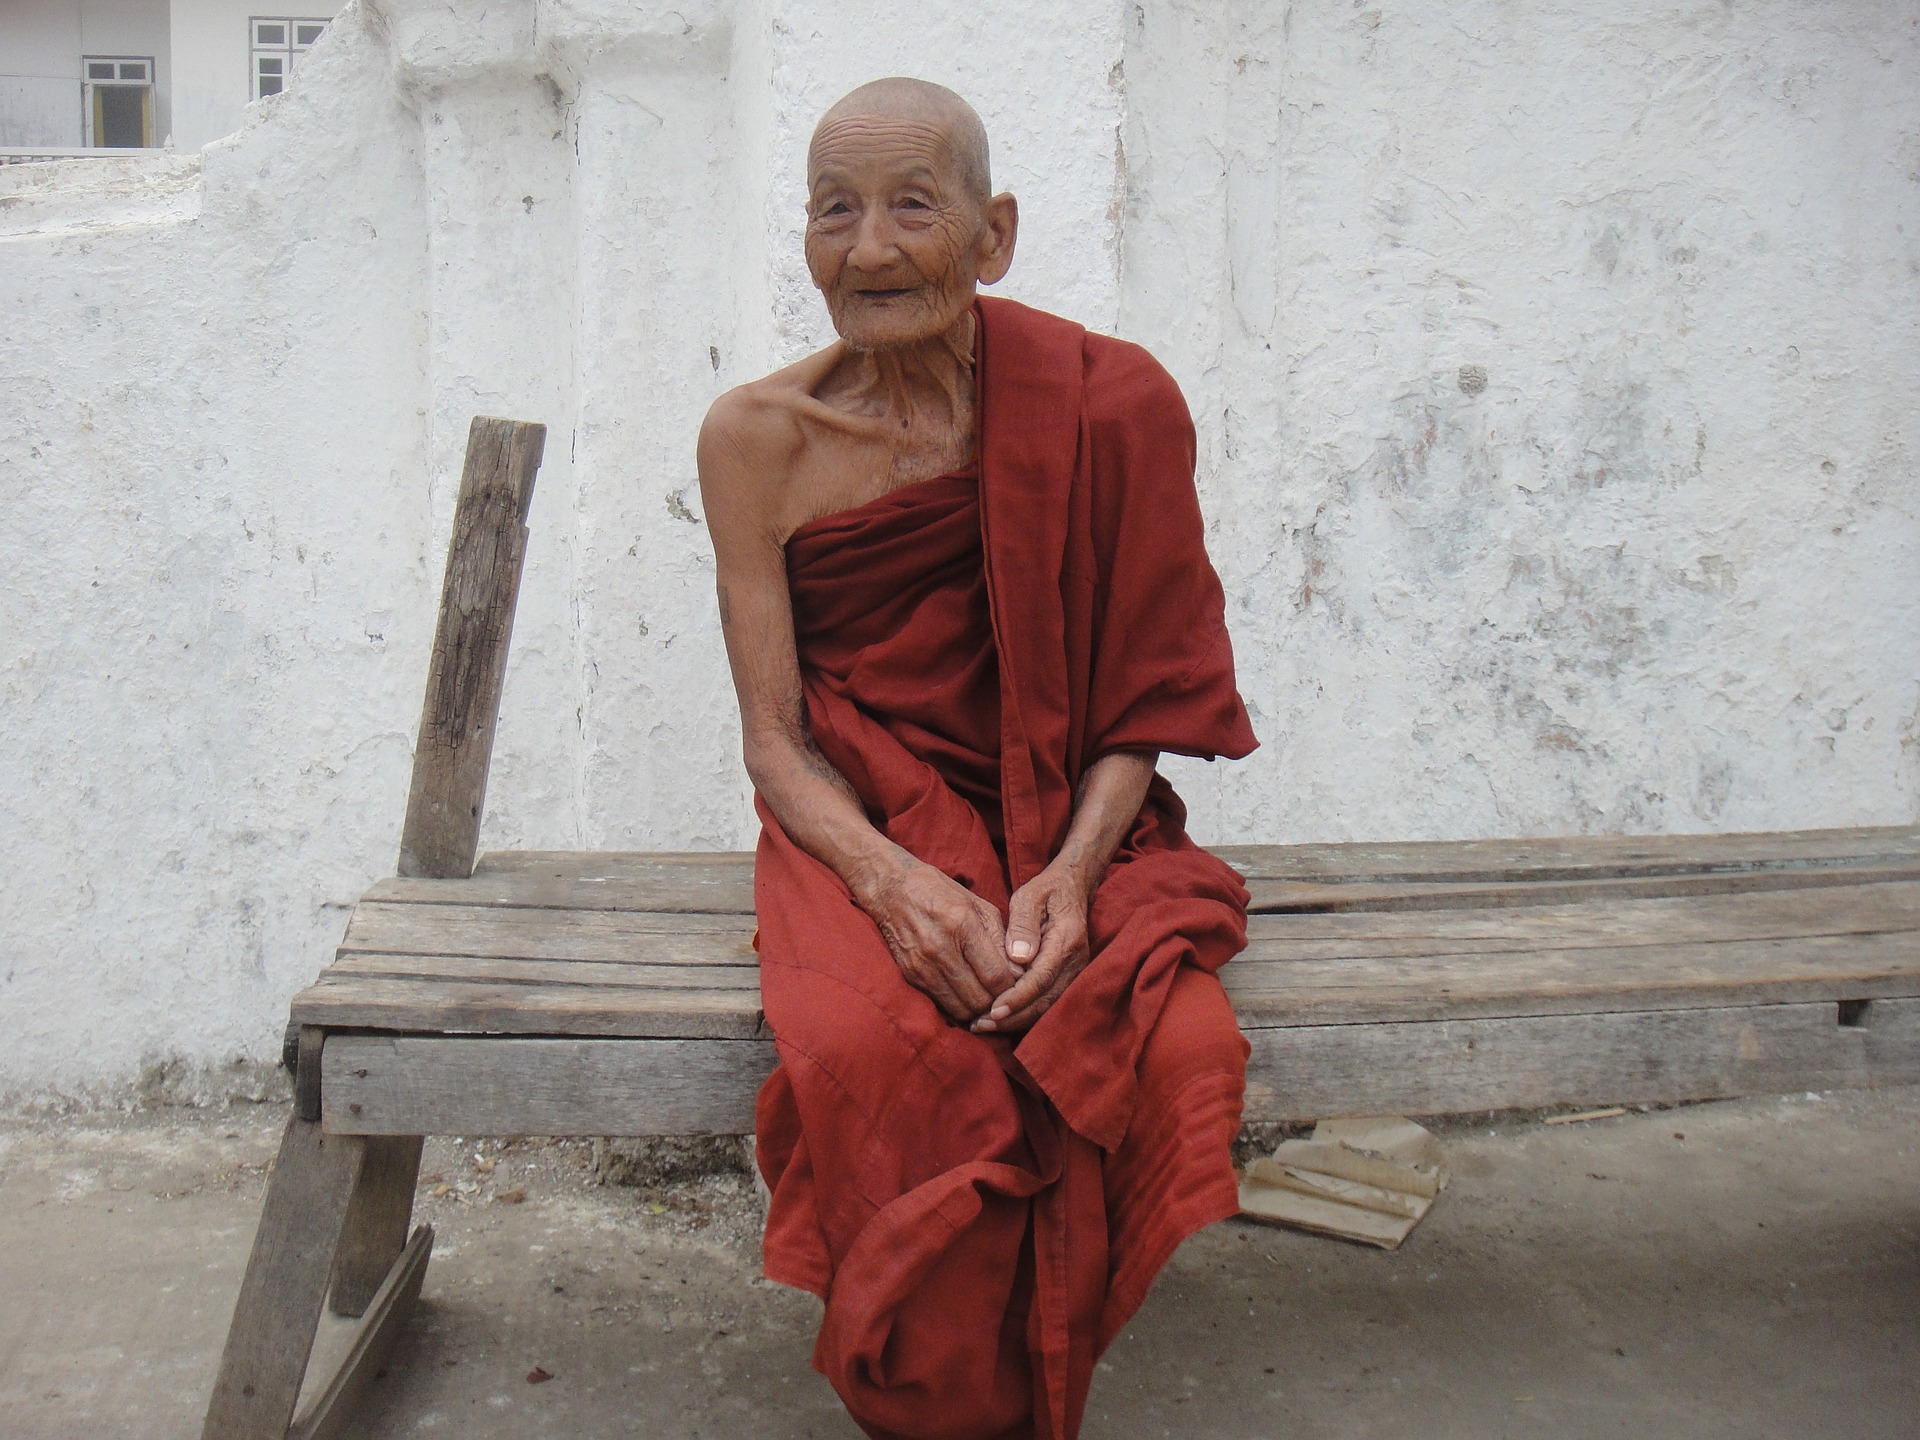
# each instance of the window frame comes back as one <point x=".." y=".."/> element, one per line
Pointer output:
<point x="285" y="53"/>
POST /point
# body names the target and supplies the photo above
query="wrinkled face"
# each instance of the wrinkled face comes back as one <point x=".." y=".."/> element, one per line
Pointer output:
<point x="894" y="240"/>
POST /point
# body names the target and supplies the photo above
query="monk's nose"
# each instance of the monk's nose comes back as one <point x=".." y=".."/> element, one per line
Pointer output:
<point x="874" y="247"/>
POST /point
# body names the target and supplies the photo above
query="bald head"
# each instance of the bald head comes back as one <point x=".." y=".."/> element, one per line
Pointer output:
<point x="902" y="222"/>
<point x="899" y="100"/>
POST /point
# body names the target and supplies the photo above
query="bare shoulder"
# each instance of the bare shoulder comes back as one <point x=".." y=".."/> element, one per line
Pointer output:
<point x="746" y="430"/>
<point x="761" y="424"/>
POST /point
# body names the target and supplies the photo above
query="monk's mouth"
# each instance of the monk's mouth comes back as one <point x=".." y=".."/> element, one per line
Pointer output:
<point x="898" y="294"/>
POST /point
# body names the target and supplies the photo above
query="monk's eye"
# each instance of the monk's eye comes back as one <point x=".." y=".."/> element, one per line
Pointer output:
<point x="914" y="202"/>
<point x="838" y="207"/>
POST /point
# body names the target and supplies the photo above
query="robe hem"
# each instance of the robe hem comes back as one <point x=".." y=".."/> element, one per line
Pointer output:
<point x="1167" y="747"/>
<point x="1200" y="1217"/>
<point x="793" y="1279"/>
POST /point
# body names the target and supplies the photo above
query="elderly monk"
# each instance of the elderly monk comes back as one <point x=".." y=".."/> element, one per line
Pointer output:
<point x="967" y="603"/>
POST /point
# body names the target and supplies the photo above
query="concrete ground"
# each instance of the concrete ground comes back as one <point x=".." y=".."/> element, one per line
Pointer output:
<point x="1742" y="1269"/>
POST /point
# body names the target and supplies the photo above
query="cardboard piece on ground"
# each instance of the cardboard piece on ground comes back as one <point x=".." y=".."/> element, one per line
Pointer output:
<point x="1334" y="1187"/>
<point x="1370" y="1179"/>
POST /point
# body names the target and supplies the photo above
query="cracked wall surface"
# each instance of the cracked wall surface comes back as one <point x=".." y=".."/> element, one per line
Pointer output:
<point x="1553" y="372"/>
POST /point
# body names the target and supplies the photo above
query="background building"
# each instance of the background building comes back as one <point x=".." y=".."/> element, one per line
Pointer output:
<point x="140" y="73"/>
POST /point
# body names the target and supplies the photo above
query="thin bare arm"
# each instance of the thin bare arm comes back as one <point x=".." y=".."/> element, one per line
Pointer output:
<point x="1105" y="806"/>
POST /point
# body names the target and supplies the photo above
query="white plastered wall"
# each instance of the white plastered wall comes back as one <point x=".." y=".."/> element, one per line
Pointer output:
<point x="1655" y="573"/>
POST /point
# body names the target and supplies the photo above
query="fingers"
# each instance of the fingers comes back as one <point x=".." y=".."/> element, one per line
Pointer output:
<point x="980" y="948"/>
<point x="1013" y="1001"/>
<point x="932" y="965"/>
<point x="955" y="973"/>
<point x="1029" y="985"/>
<point x="946" y="941"/>
<point x="950" y="1005"/>
<point x="1025" y="1015"/>
<point x="1063" y="955"/>
<point x="1057" y="947"/>
<point x="1025" y="918"/>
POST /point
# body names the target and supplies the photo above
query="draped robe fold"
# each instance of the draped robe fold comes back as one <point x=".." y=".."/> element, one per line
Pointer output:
<point x="981" y="1215"/>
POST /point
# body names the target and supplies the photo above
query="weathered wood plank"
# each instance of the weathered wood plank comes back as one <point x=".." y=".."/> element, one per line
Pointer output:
<point x="619" y="937"/>
<point x="469" y="664"/>
<point x="306" y="1070"/>
<point x="378" y="1215"/>
<point x="1552" y="857"/>
<point x="278" y="1311"/>
<point x="718" y="884"/>
<point x="347" y="1002"/>
<point x="1761" y="915"/>
<point x="1285" y="897"/>
<point x="1442" y="1067"/>
<point x="666" y="1087"/>
<point x="330" y="1417"/>
<point x="1548" y="982"/>
<point x="543" y="1087"/>
<point x="1570" y="857"/>
<point x="611" y="864"/>
<point x="651" y="937"/>
<point x="1281" y="877"/>
<point x="596" y="974"/>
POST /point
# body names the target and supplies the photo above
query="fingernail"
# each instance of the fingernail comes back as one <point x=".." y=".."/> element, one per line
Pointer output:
<point x="999" y="1012"/>
<point x="1021" y="949"/>
<point x="983" y="1025"/>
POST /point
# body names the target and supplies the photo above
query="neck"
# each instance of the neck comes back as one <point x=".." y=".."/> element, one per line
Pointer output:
<point x="927" y="385"/>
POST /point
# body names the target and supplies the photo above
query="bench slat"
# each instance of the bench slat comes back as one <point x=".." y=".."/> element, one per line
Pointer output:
<point x="388" y="1085"/>
<point x="1559" y="982"/>
<point x="351" y="1002"/>
<point x="1280" y="877"/>
<point x="1758" y="915"/>
<point x="718" y="884"/>
<point x="1291" y="897"/>
<point x="1446" y="1067"/>
<point x="616" y="937"/>
<point x="411" y="1085"/>
<point x="650" y="939"/>
<point x="592" y="975"/>
<point x="1559" y="856"/>
<point x="1573" y="857"/>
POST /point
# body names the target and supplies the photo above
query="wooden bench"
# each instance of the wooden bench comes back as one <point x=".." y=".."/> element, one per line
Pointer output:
<point x="549" y="993"/>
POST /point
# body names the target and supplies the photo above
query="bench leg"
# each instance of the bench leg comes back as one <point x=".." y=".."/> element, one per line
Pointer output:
<point x="278" y="1311"/>
<point x="377" y="1220"/>
<point x="330" y="1417"/>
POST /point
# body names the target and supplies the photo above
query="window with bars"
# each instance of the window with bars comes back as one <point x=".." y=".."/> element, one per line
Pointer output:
<point x="116" y="99"/>
<point x="278" y="41"/>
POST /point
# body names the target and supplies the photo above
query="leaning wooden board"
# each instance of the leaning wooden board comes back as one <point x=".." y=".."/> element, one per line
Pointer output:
<point x="619" y="991"/>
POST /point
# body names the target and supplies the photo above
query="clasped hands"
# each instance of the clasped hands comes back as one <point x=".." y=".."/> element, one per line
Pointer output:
<point x="951" y="945"/>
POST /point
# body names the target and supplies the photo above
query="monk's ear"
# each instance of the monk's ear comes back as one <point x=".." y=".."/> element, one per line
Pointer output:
<point x="1001" y="227"/>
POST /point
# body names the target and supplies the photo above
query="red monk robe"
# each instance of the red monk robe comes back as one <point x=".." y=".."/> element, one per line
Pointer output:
<point x="983" y="1214"/>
